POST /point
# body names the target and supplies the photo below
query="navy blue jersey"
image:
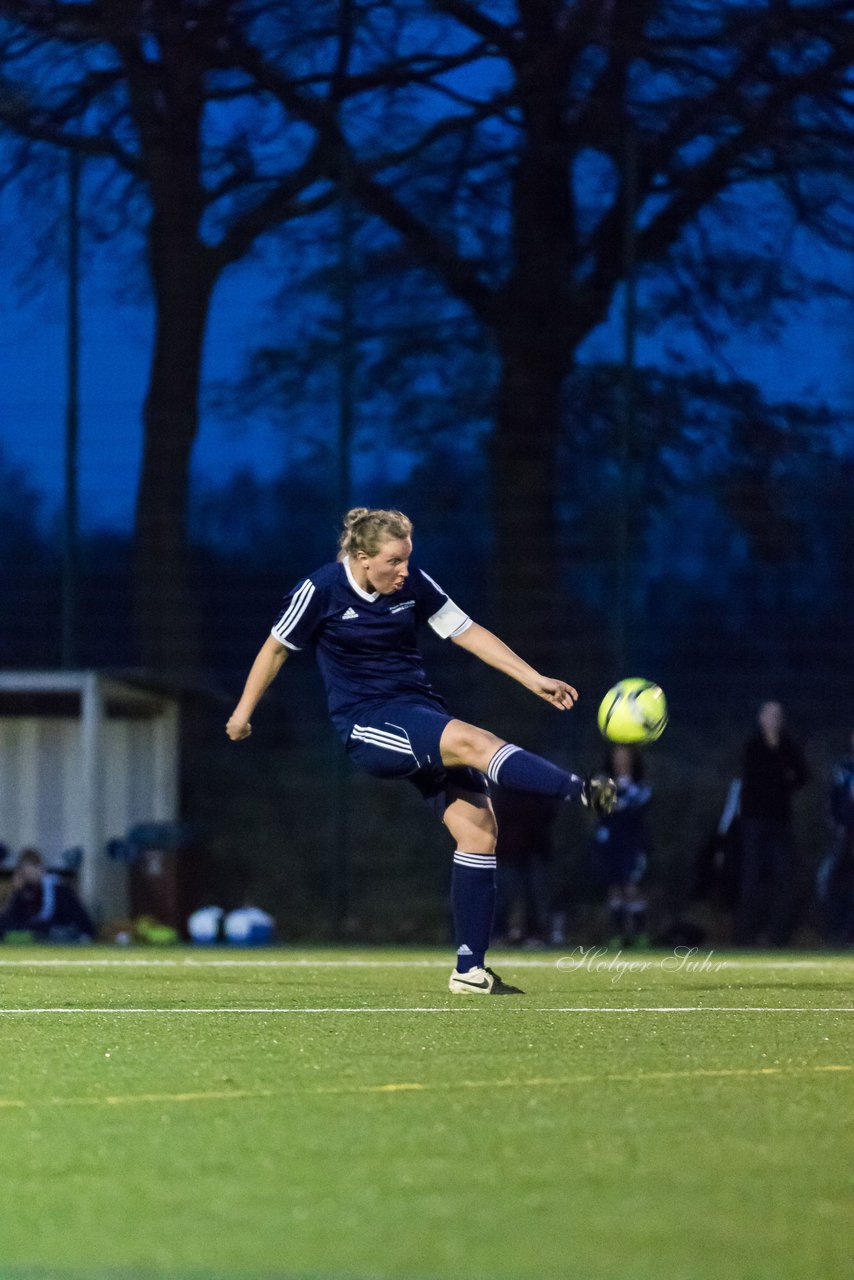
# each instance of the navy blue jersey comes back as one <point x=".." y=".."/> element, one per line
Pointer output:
<point x="366" y="643"/>
<point x="625" y="828"/>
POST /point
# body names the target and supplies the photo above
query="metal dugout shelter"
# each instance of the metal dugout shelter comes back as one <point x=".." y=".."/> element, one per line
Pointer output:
<point x="84" y="756"/>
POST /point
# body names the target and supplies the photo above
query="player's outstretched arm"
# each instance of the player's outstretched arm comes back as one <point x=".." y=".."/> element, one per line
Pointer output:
<point x="262" y="673"/>
<point x="495" y="653"/>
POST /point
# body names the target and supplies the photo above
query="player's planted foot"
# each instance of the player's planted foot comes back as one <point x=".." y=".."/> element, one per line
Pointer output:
<point x="481" y="982"/>
<point x="599" y="794"/>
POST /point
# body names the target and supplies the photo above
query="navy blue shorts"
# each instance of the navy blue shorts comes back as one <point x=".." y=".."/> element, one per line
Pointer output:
<point x="400" y="739"/>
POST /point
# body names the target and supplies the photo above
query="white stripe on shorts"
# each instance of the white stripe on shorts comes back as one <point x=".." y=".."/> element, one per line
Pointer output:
<point x="399" y="739"/>
<point x="400" y="736"/>
<point x="373" y="739"/>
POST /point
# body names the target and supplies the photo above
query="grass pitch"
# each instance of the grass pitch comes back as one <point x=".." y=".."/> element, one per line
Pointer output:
<point x="239" y="1116"/>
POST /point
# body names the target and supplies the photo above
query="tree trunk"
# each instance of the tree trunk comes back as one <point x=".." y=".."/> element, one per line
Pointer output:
<point x="166" y="608"/>
<point x="524" y="500"/>
<point x="536" y="340"/>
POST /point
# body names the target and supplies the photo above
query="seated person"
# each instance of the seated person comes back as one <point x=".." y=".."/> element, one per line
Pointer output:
<point x="43" y="904"/>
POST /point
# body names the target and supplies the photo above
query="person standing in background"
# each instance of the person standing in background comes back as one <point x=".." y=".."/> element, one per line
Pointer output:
<point x="835" y="876"/>
<point x="524" y="850"/>
<point x="774" y="768"/>
<point x="621" y="849"/>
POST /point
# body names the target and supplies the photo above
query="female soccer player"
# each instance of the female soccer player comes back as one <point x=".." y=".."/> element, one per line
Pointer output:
<point x="360" y="615"/>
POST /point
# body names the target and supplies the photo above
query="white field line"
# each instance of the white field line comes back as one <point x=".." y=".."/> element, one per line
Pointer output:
<point x="471" y="1006"/>
<point x="403" y="1086"/>
<point x="564" y="964"/>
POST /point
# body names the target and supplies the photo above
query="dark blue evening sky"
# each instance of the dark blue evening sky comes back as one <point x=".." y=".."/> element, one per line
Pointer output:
<point x="813" y="361"/>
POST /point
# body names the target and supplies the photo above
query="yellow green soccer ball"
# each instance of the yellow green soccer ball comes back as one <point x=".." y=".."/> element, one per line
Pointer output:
<point x="634" y="711"/>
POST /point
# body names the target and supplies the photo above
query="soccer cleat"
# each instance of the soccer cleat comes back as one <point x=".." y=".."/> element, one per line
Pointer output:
<point x="481" y="982"/>
<point x="599" y="794"/>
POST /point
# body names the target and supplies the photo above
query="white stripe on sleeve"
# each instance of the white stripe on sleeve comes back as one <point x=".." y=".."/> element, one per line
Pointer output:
<point x="433" y="582"/>
<point x="293" y="613"/>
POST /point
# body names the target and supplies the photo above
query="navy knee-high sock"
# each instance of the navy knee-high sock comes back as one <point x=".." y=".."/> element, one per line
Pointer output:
<point x="473" y="904"/>
<point x="522" y="771"/>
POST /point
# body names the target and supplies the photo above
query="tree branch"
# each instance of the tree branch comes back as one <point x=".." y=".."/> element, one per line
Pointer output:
<point x="37" y="125"/>
<point x="503" y="38"/>
<point x="460" y="274"/>
<point x="268" y="212"/>
<point x="760" y="124"/>
<point x="72" y="23"/>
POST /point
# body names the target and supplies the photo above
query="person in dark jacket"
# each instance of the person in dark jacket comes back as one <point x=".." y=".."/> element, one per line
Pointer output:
<point x="773" y="769"/>
<point x="835" y="877"/>
<point x="524" y="849"/>
<point x="43" y="904"/>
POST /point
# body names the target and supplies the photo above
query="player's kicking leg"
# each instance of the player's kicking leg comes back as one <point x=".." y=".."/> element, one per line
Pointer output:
<point x="469" y="818"/>
<point x="511" y="766"/>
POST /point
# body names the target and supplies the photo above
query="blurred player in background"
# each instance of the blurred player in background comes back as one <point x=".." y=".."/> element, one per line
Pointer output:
<point x="773" y="769"/>
<point x="835" y="878"/>
<point x="524" y="851"/>
<point x="360" y="615"/>
<point x="621" y="848"/>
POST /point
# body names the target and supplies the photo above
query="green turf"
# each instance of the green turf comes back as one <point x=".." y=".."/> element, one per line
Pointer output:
<point x="460" y="1137"/>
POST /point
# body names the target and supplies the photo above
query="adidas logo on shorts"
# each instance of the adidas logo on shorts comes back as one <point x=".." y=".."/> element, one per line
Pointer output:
<point x="348" y="614"/>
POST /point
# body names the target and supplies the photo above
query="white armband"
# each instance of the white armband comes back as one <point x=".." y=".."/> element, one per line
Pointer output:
<point x="449" y="621"/>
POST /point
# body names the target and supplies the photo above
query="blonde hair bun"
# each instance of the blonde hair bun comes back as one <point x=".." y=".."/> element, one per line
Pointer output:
<point x="374" y="528"/>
